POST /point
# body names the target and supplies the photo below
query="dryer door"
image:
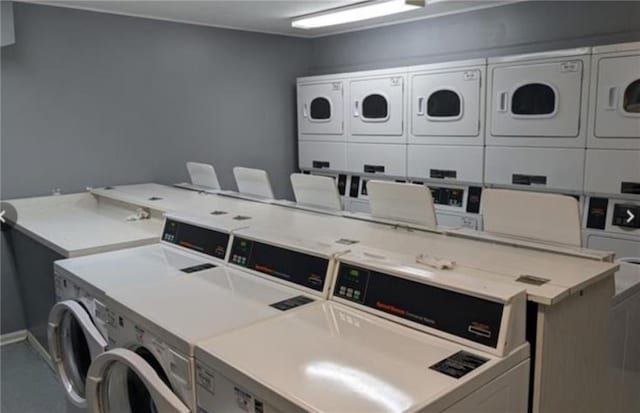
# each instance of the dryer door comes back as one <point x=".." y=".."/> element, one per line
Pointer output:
<point x="121" y="381"/>
<point x="537" y="100"/>
<point x="74" y="342"/>
<point x="320" y="110"/>
<point x="618" y="98"/>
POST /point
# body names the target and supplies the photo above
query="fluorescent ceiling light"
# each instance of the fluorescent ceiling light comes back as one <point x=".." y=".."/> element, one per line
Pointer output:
<point x="358" y="12"/>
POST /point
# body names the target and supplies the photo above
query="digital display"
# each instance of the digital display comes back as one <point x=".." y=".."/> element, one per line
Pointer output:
<point x="203" y="240"/>
<point x="278" y="262"/>
<point x="455" y="313"/>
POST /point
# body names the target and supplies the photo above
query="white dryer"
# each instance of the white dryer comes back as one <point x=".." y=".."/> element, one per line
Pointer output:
<point x="77" y="328"/>
<point x="614" y="116"/>
<point x="393" y="338"/>
<point x="539" y="99"/>
<point x="153" y="329"/>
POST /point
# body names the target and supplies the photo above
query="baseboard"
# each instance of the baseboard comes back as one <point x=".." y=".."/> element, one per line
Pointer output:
<point x="13" y="337"/>
<point x="42" y="352"/>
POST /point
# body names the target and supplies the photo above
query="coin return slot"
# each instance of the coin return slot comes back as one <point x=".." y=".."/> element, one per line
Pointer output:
<point x="530" y="279"/>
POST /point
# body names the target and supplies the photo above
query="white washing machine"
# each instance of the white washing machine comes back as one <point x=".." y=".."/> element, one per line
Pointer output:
<point x="625" y="338"/>
<point x="539" y="99"/>
<point x="392" y="338"/>
<point x="151" y="367"/>
<point x="614" y="115"/>
<point x="77" y="328"/>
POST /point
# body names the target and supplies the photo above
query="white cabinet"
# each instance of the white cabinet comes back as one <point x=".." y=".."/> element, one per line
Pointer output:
<point x="538" y="100"/>
<point x="321" y="110"/>
<point x="377" y="109"/>
<point x="615" y="97"/>
<point x="556" y="169"/>
<point x="322" y="155"/>
<point x="613" y="172"/>
<point x="447" y="104"/>
<point x="446" y="163"/>
<point x="383" y="159"/>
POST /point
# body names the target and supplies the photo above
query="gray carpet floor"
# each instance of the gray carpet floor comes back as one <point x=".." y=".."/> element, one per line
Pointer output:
<point x="27" y="383"/>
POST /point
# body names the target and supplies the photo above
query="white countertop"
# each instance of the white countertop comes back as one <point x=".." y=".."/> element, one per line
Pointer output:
<point x="81" y="224"/>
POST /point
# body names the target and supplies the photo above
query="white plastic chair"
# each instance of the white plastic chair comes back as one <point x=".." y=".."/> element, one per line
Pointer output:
<point x="254" y="182"/>
<point x="316" y="191"/>
<point x="203" y="175"/>
<point x="402" y="202"/>
<point x="532" y="215"/>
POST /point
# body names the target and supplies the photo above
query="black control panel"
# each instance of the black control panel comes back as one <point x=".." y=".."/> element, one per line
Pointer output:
<point x="626" y="215"/>
<point x="462" y="315"/>
<point x="293" y="266"/>
<point x="447" y="196"/>
<point x="354" y="187"/>
<point x="342" y="184"/>
<point x="597" y="213"/>
<point x="473" y="199"/>
<point x="203" y="240"/>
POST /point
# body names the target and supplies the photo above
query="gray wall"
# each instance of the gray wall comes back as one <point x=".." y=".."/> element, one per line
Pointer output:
<point x="92" y="99"/>
<point x="6" y="23"/>
<point x="516" y="28"/>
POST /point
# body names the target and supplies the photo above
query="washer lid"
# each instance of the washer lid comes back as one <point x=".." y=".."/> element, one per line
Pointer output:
<point x="107" y="384"/>
<point x="189" y="309"/>
<point x="329" y="357"/>
<point x="102" y="273"/>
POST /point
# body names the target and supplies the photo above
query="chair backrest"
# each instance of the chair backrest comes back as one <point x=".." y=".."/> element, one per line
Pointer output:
<point x="316" y="191"/>
<point x="203" y="175"/>
<point x="402" y="202"/>
<point x="253" y="182"/>
<point x="532" y="215"/>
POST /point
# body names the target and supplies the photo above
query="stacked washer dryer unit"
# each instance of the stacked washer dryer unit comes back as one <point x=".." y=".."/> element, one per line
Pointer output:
<point x="77" y="329"/>
<point x="446" y="137"/>
<point x="352" y="127"/>
<point x="536" y="121"/>
<point x="153" y="330"/>
<point x="612" y="173"/>
<point x="429" y="355"/>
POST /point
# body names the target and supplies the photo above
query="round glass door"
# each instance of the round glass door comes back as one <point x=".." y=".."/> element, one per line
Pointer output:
<point x="74" y="341"/>
<point x="631" y="99"/>
<point x="125" y="381"/>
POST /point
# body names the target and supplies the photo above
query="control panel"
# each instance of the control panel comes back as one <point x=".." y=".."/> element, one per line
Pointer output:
<point x="452" y="312"/>
<point x="603" y="213"/>
<point x="204" y="240"/>
<point x="279" y="262"/>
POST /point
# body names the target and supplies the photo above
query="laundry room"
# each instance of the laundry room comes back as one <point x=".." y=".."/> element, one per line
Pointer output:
<point x="343" y="206"/>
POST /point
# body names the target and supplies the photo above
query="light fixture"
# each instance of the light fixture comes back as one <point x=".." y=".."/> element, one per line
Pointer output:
<point x="356" y="12"/>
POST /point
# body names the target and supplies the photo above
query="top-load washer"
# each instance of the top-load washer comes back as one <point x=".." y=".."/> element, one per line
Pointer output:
<point x="153" y="329"/>
<point x="77" y="323"/>
<point x="392" y="338"/>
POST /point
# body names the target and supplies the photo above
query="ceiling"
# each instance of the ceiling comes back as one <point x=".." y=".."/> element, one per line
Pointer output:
<point x="261" y="15"/>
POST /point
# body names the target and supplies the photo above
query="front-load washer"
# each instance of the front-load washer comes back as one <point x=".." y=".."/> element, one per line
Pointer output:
<point x="77" y="329"/>
<point x="154" y="329"/>
<point x="392" y="338"/>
